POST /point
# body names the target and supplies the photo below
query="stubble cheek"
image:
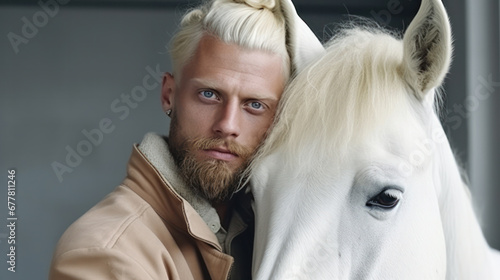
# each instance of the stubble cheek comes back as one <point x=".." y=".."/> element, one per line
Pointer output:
<point x="256" y="140"/>
<point x="264" y="131"/>
<point x="194" y="123"/>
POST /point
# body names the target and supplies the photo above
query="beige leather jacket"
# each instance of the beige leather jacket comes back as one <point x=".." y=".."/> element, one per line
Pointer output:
<point x="142" y="230"/>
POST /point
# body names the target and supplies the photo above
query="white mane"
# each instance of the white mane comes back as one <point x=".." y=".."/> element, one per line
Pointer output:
<point x="367" y="61"/>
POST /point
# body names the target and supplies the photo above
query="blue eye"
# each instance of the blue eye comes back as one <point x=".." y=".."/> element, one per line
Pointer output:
<point x="207" y="93"/>
<point x="256" y="105"/>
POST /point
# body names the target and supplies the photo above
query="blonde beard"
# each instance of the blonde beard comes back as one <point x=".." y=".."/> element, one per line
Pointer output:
<point x="212" y="179"/>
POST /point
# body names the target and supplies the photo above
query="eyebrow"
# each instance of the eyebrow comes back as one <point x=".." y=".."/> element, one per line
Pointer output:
<point x="206" y="83"/>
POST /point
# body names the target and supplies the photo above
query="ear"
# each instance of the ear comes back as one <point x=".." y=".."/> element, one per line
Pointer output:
<point x="167" y="92"/>
<point x="303" y="45"/>
<point x="427" y="48"/>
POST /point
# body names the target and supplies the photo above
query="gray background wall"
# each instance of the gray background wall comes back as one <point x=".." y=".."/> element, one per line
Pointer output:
<point x="73" y="72"/>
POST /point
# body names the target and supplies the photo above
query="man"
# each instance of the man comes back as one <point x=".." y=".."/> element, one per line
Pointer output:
<point x="178" y="213"/>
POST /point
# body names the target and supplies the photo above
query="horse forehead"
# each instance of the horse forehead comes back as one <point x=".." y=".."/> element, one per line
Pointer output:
<point x="398" y="135"/>
<point x="381" y="151"/>
<point x="401" y="138"/>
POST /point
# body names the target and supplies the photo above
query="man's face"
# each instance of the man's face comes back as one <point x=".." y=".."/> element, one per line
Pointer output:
<point x="221" y="110"/>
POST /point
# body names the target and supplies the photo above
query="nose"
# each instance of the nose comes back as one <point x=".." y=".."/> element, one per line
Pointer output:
<point x="227" y="123"/>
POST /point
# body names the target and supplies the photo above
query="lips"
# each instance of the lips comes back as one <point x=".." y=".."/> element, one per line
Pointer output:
<point x="220" y="153"/>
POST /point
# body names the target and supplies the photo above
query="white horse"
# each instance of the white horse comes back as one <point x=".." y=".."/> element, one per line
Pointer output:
<point x="357" y="180"/>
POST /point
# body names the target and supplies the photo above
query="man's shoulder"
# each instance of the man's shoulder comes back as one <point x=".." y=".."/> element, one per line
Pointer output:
<point x="122" y="237"/>
<point x="107" y="222"/>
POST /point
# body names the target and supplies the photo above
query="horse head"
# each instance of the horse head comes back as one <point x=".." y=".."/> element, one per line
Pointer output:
<point x="357" y="180"/>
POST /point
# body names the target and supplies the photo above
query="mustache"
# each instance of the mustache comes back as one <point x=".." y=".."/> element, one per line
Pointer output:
<point x="211" y="143"/>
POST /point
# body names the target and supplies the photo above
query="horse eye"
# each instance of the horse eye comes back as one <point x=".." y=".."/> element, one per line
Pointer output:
<point x="387" y="199"/>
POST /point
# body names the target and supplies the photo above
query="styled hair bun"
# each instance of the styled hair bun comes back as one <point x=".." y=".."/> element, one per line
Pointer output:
<point x="259" y="4"/>
<point x="193" y="16"/>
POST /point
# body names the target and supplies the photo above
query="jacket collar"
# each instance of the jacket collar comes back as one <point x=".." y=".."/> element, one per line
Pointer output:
<point x="155" y="148"/>
<point x="145" y="180"/>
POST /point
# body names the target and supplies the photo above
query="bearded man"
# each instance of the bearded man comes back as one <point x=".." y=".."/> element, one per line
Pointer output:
<point x="181" y="212"/>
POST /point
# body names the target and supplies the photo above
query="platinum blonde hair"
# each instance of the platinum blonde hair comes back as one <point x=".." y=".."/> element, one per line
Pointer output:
<point x="251" y="24"/>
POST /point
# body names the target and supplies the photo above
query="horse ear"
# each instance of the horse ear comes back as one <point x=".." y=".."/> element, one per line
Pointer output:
<point x="427" y="48"/>
<point x="302" y="44"/>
